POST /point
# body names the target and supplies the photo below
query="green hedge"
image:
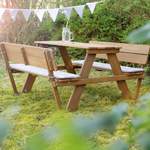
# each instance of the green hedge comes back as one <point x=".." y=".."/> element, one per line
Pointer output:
<point x="112" y="20"/>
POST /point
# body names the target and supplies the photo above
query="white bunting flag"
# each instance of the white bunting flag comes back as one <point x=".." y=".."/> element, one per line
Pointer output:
<point x="26" y="13"/>
<point x="40" y="13"/>
<point x="53" y="13"/>
<point x="92" y="6"/>
<point x="67" y="11"/>
<point x="13" y="13"/>
<point x="79" y="10"/>
<point x="1" y="13"/>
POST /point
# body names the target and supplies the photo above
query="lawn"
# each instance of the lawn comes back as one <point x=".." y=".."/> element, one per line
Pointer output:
<point x="38" y="109"/>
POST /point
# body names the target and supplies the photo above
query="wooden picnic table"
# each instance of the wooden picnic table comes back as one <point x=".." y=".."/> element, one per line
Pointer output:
<point x="91" y="51"/>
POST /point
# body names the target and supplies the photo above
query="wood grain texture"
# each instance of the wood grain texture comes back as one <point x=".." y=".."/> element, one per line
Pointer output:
<point x="116" y="69"/>
<point x="77" y="45"/>
<point x="132" y="53"/>
<point x="74" y="100"/>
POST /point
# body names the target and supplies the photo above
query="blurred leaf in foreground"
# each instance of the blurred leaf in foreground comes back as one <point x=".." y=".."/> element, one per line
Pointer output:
<point x="4" y="129"/>
<point x="119" y="145"/>
<point x="73" y="134"/>
<point x="144" y="140"/>
<point x="141" y="35"/>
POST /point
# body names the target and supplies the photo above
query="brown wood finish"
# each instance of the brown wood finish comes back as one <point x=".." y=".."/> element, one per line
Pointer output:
<point x="29" y="83"/>
<point x="131" y="53"/>
<point x="127" y="48"/>
<point x="26" y="62"/>
<point x="128" y="57"/>
<point x="82" y="81"/>
<point x="9" y="69"/>
<point x="44" y="58"/>
<point x="67" y="60"/>
<point x="110" y="51"/>
<point x="51" y="67"/>
<point x="77" y="45"/>
<point x="78" y="90"/>
<point x="112" y="58"/>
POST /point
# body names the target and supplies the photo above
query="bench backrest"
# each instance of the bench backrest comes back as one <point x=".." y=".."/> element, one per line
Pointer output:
<point x="24" y="54"/>
<point x="132" y="53"/>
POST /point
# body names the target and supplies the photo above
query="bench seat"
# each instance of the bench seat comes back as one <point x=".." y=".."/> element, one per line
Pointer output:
<point x="43" y="72"/>
<point x="105" y="66"/>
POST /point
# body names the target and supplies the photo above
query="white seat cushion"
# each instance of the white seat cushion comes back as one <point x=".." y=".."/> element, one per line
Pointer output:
<point x="42" y="71"/>
<point x="105" y="66"/>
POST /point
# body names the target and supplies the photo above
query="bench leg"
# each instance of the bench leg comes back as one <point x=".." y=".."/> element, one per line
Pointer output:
<point x="29" y="83"/>
<point x="116" y="69"/>
<point x="139" y="82"/>
<point x="13" y="82"/>
<point x="74" y="100"/>
<point x="56" y="95"/>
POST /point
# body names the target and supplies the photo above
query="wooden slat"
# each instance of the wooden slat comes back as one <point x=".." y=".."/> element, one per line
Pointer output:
<point x="99" y="80"/>
<point x="132" y="53"/>
<point x="14" y="53"/>
<point x="128" y="57"/>
<point x="24" y="54"/>
<point x="105" y="51"/>
<point x="128" y="48"/>
<point x="35" y="56"/>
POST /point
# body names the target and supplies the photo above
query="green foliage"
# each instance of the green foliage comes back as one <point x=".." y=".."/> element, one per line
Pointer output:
<point x="112" y="20"/>
<point x="70" y="134"/>
<point x="141" y="123"/>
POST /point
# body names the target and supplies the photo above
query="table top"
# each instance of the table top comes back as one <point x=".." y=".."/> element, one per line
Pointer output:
<point x="78" y="45"/>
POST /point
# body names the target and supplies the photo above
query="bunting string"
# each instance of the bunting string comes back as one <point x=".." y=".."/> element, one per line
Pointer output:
<point x="53" y="13"/>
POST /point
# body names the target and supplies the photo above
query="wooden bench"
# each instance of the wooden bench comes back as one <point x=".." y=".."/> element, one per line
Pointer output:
<point x="35" y="61"/>
<point x="130" y="53"/>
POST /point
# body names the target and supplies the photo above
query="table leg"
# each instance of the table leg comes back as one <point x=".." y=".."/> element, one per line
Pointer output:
<point x="115" y="65"/>
<point x="29" y="83"/>
<point x="67" y="60"/>
<point x="85" y="71"/>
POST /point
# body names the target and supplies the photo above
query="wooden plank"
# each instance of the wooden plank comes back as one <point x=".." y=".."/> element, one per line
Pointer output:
<point x="35" y="56"/>
<point x="18" y="53"/>
<point x="78" y="90"/>
<point x="26" y="62"/>
<point x="98" y="80"/>
<point x="102" y="51"/>
<point x="14" y="53"/>
<point x="29" y="83"/>
<point x="67" y="60"/>
<point x="4" y="52"/>
<point x="116" y="69"/>
<point x="76" y="45"/>
<point x="127" y="47"/>
<point x="128" y="57"/>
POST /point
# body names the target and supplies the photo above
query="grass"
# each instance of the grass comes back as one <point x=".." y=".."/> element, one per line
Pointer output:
<point x="38" y="108"/>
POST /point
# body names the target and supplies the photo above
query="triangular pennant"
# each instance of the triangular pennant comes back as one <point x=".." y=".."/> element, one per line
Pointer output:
<point x="67" y="11"/>
<point x="40" y="13"/>
<point x="13" y="13"/>
<point x="1" y="13"/>
<point x="92" y="6"/>
<point x="53" y="13"/>
<point x="26" y="13"/>
<point x="79" y="10"/>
